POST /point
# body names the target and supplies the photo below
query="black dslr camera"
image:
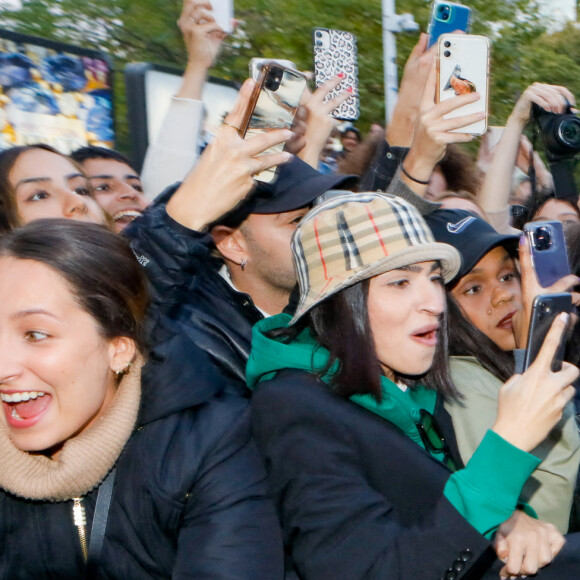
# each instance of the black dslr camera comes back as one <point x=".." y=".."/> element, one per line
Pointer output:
<point x="561" y="136"/>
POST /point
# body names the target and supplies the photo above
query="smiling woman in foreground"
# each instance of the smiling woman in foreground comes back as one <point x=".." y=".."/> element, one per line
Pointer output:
<point x="86" y="434"/>
<point x="348" y="414"/>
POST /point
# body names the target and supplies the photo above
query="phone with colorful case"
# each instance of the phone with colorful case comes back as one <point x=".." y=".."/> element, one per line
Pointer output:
<point x="447" y="17"/>
<point x="463" y="67"/>
<point x="335" y="51"/>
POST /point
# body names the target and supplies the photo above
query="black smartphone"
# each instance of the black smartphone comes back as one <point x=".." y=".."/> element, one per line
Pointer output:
<point x="273" y="104"/>
<point x="545" y="308"/>
<point x="548" y="250"/>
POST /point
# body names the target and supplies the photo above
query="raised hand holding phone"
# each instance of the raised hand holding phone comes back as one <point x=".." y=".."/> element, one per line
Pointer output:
<point x="531" y="404"/>
<point x="433" y="132"/>
<point x="335" y="53"/>
<point x="464" y="69"/>
<point x="532" y="288"/>
<point x="224" y="173"/>
<point x="273" y="105"/>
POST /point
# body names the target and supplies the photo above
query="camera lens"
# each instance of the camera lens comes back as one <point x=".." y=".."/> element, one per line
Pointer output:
<point x="446" y="44"/>
<point x="318" y="34"/>
<point x="447" y="54"/>
<point x="569" y="132"/>
<point x="444" y="12"/>
<point x="319" y="43"/>
<point x="542" y="239"/>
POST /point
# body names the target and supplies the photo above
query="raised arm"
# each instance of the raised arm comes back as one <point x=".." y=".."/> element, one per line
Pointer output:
<point x="496" y="187"/>
<point x="433" y="133"/>
<point x="224" y="173"/>
<point x="175" y="149"/>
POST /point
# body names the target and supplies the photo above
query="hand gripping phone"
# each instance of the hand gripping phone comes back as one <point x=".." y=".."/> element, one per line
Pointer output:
<point x="273" y="104"/>
<point x="463" y="67"/>
<point x="548" y="251"/>
<point x="447" y="17"/>
<point x="335" y="52"/>
<point x="544" y="310"/>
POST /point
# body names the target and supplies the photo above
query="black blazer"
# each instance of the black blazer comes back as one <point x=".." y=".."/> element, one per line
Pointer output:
<point x="356" y="497"/>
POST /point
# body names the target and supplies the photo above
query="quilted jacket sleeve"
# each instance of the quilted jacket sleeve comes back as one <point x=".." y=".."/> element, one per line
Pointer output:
<point x="170" y="253"/>
<point x="230" y="523"/>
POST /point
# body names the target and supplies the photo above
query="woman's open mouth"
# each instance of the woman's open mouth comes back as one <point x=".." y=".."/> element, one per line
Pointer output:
<point x="24" y="408"/>
<point x="506" y="322"/>
<point x="427" y="336"/>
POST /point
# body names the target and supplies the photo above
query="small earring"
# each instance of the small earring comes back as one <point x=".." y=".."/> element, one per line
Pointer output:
<point x="120" y="372"/>
<point x="243" y="264"/>
<point x="490" y="312"/>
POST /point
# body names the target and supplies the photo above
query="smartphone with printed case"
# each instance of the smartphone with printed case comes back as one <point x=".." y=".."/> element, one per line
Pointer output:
<point x="463" y="67"/>
<point x="447" y="17"/>
<point x="335" y="52"/>
<point x="273" y="105"/>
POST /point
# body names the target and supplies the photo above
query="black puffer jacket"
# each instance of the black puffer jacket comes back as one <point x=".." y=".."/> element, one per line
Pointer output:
<point x="186" y="286"/>
<point x="189" y="498"/>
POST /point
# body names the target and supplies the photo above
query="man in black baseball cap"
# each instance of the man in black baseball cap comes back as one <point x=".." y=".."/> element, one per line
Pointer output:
<point x="249" y="275"/>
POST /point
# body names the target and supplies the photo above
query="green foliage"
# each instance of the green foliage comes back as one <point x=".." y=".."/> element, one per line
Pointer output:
<point x="145" y="30"/>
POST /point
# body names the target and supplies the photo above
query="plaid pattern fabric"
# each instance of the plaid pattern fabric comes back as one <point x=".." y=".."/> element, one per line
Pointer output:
<point x="356" y="236"/>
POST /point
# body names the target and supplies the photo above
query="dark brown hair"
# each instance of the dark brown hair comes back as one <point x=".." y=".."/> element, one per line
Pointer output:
<point x="460" y="170"/>
<point x="341" y="325"/>
<point x="98" y="265"/>
<point x="9" y="218"/>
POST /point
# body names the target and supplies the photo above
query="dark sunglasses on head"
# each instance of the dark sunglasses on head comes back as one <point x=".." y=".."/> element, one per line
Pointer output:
<point x="433" y="439"/>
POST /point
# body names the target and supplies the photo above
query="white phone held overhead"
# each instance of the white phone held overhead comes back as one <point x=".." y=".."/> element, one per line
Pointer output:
<point x="463" y="67"/>
<point x="223" y="12"/>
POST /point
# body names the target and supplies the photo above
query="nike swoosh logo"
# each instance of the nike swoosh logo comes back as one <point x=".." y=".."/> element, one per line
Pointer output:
<point x="458" y="227"/>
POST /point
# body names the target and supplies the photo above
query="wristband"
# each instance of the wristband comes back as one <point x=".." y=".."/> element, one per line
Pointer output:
<point x="420" y="181"/>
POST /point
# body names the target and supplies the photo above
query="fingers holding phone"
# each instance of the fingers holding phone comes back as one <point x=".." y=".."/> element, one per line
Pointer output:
<point x="531" y="404"/>
<point x="273" y="105"/>
<point x="224" y="173"/>
<point x="464" y="69"/>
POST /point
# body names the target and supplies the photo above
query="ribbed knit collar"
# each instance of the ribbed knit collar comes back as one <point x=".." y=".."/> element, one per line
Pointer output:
<point x="84" y="460"/>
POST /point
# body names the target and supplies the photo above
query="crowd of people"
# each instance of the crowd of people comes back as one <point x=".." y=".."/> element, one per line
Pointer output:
<point x="205" y="376"/>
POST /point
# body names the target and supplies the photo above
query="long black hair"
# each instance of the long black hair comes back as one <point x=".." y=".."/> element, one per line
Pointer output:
<point x="467" y="340"/>
<point x="341" y="325"/>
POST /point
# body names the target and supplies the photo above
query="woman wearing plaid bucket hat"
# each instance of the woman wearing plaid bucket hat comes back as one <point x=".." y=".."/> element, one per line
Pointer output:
<point x="348" y="414"/>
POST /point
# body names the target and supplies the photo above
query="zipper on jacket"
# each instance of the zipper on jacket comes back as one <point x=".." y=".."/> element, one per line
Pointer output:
<point x="80" y="521"/>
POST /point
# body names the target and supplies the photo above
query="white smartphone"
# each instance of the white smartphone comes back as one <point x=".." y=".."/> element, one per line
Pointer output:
<point x="463" y="67"/>
<point x="223" y="12"/>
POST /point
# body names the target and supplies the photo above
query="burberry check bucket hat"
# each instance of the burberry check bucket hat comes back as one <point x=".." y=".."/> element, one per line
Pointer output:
<point x="356" y="236"/>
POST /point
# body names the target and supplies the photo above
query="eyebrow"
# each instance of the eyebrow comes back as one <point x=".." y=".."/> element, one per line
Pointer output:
<point x="43" y="179"/>
<point x="128" y="176"/>
<point x="415" y="268"/>
<point x="33" y="312"/>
